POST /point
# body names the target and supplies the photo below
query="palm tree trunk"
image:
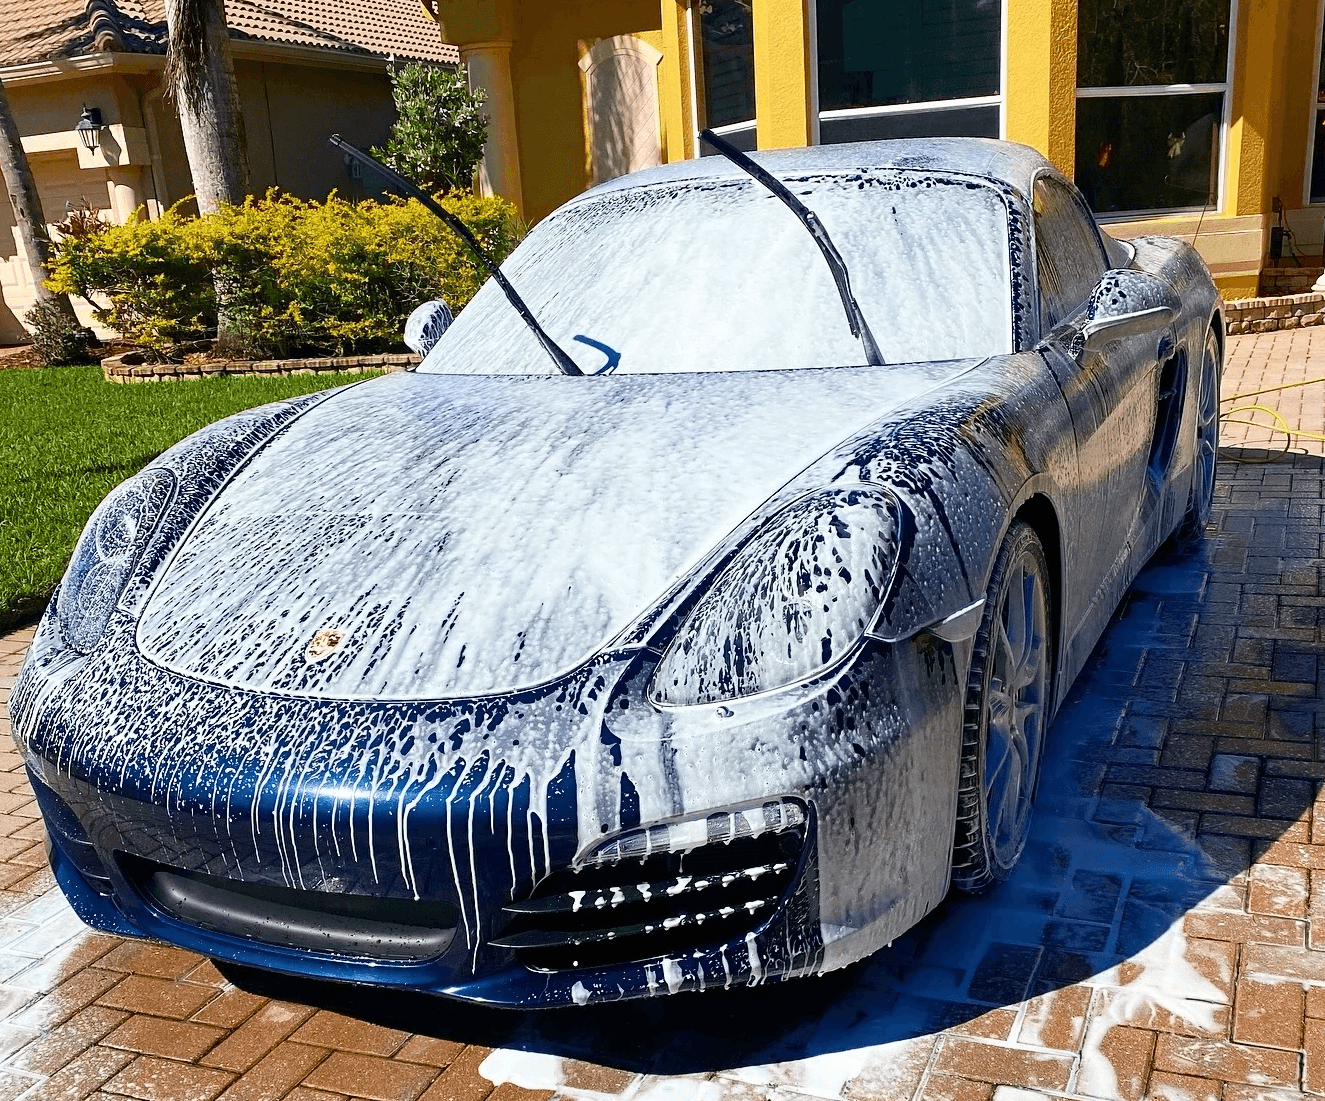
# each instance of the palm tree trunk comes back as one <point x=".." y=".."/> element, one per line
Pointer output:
<point x="200" y="72"/>
<point x="27" y="210"/>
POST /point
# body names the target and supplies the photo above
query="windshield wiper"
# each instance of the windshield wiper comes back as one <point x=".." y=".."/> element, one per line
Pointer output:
<point x="859" y="327"/>
<point x="406" y="189"/>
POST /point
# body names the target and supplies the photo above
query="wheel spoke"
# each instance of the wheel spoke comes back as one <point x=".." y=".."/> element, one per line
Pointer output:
<point x="1016" y="614"/>
<point x="1010" y="797"/>
<point x="998" y="731"/>
<point x="1029" y="671"/>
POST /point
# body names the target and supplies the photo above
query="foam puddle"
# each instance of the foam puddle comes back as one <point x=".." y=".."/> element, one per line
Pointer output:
<point x="1156" y="987"/>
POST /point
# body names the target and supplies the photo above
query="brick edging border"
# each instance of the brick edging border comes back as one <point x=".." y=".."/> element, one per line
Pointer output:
<point x="1267" y="315"/>
<point x="130" y="367"/>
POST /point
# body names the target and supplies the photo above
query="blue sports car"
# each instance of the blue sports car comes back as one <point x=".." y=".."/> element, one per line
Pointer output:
<point x="692" y="616"/>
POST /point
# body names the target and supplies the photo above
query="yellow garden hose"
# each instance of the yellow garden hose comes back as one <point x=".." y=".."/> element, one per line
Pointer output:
<point x="1229" y="416"/>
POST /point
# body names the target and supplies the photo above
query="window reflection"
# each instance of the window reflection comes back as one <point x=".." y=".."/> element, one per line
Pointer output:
<point x="727" y="68"/>
<point x="881" y="54"/>
<point x="1318" y="147"/>
<point x="1149" y="152"/>
<point x="874" y="52"/>
<point x="1151" y="142"/>
<point x="1135" y="42"/>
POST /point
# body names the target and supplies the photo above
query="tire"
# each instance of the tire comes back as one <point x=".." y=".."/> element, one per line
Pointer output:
<point x="1007" y="710"/>
<point x="1200" y="500"/>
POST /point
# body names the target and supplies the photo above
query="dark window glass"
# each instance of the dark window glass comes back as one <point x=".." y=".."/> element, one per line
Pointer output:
<point x="969" y="122"/>
<point x="878" y="52"/>
<point x="1069" y="258"/>
<point x="1318" y="148"/>
<point x="1125" y="42"/>
<point x="727" y="68"/>
<point x="1149" y="152"/>
<point x="747" y="141"/>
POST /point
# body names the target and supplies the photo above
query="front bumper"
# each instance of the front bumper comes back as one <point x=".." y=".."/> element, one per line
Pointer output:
<point x="472" y="804"/>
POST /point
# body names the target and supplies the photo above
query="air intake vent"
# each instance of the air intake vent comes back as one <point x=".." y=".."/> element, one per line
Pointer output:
<point x="662" y="891"/>
<point x="393" y="929"/>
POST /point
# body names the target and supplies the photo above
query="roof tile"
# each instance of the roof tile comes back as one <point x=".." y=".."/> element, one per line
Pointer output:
<point x="31" y="30"/>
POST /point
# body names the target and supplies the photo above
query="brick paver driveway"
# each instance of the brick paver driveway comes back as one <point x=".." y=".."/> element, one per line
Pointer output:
<point x="1164" y="935"/>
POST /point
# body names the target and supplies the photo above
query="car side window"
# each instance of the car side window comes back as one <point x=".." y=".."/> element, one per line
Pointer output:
<point x="1069" y="258"/>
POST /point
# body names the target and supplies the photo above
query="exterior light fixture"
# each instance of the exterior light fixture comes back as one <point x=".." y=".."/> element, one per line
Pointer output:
<point x="89" y="127"/>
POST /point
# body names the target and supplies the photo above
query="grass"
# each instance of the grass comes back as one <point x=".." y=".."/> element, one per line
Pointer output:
<point x="67" y="437"/>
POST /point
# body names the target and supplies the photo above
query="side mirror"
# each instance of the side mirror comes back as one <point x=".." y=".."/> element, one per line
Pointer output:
<point x="1127" y="303"/>
<point x="426" y="324"/>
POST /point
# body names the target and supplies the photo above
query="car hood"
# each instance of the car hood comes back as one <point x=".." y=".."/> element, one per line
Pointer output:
<point x="441" y="536"/>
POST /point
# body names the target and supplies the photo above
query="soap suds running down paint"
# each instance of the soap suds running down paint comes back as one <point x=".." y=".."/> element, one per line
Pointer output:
<point x="881" y="1026"/>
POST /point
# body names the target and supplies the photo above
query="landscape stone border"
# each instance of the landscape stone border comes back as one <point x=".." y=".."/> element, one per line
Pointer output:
<point x="1267" y="315"/>
<point x="132" y="367"/>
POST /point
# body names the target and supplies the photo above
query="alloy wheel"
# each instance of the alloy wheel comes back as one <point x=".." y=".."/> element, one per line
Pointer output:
<point x="1015" y="708"/>
<point x="1207" y="436"/>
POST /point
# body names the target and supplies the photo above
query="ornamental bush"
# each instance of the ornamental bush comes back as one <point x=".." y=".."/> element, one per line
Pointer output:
<point x="438" y="137"/>
<point x="300" y="277"/>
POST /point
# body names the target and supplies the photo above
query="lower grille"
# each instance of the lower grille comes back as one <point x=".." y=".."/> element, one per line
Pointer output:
<point x="661" y="891"/>
<point x="392" y="929"/>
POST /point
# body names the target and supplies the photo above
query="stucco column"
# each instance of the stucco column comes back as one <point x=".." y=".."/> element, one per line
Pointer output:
<point x="678" y="121"/>
<point x="489" y="66"/>
<point x="1041" y="89"/>
<point x="124" y="188"/>
<point x="1257" y="87"/>
<point x="784" y="73"/>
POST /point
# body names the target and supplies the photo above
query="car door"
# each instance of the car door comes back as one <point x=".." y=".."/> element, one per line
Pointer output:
<point x="1109" y="393"/>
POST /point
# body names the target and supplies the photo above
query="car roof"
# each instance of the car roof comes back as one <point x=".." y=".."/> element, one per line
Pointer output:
<point x="1004" y="161"/>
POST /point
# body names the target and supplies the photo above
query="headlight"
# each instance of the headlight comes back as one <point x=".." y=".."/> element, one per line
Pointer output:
<point x="106" y="553"/>
<point x="794" y="600"/>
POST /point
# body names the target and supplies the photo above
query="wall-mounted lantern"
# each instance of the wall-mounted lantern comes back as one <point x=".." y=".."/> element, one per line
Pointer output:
<point x="89" y="127"/>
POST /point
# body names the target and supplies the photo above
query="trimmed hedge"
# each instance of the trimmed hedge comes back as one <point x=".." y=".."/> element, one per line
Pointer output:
<point x="299" y="277"/>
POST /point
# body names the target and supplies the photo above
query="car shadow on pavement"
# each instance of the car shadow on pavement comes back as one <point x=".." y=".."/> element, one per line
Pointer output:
<point x="1186" y="751"/>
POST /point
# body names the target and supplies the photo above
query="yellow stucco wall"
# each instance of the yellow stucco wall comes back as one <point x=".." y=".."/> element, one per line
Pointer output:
<point x="783" y="77"/>
<point x="548" y="93"/>
<point x="1040" y="96"/>
<point x="546" y="41"/>
<point x="1266" y="144"/>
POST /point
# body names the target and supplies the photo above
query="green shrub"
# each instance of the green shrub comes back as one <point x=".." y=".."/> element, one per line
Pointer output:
<point x="56" y="337"/>
<point x="299" y="277"/>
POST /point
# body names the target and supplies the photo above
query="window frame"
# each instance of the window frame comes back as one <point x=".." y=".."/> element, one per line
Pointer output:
<point x="1314" y="112"/>
<point x="1000" y="100"/>
<point x="1130" y="91"/>
<point x="749" y="126"/>
<point x="1074" y="193"/>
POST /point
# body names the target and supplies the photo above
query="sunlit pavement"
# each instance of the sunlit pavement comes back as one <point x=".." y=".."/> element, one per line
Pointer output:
<point x="1164" y="936"/>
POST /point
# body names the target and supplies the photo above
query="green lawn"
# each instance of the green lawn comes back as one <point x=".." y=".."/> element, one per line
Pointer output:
<point x="67" y="437"/>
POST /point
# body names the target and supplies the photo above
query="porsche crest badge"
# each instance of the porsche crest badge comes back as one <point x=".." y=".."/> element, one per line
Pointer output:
<point x="323" y="644"/>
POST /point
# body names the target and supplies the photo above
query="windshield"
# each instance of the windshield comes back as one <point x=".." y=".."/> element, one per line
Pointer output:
<point x="718" y="275"/>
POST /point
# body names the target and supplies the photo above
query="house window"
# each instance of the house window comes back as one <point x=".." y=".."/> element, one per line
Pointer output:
<point x="1317" y="166"/>
<point x="909" y="68"/>
<point x="1152" y="87"/>
<point x="723" y="40"/>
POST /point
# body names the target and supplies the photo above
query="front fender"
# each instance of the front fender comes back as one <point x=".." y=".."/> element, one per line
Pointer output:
<point x="962" y="468"/>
